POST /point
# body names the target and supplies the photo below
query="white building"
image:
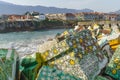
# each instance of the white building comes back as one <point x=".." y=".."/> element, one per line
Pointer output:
<point x="38" y="16"/>
<point x="42" y="17"/>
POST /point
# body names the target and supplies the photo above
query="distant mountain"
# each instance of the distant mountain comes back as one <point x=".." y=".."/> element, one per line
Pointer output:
<point x="115" y="12"/>
<point x="9" y="8"/>
<point x="118" y="12"/>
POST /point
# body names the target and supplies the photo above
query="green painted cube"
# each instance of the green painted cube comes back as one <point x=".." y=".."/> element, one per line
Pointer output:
<point x="8" y="64"/>
<point x="113" y="68"/>
<point x="52" y="73"/>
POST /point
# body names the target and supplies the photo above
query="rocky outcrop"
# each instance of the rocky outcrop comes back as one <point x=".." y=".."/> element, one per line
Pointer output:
<point x="16" y="26"/>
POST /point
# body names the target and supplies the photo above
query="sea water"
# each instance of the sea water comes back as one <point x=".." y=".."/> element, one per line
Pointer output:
<point x="26" y="42"/>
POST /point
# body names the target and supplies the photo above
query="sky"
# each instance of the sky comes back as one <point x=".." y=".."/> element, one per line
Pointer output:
<point x="96" y="5"/>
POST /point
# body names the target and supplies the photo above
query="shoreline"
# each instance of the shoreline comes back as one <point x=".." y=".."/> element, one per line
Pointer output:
<point x="41" y="30"/>
<point x="20" y="26"/>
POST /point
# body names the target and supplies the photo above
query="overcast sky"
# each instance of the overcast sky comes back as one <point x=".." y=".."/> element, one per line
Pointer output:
<point x="97" y="5"/>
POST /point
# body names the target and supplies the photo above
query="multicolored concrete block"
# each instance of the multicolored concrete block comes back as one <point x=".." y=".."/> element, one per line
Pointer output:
<point x="113" y="68"/>
<point x="8" y="64"/>
<point x="100" y="78"/>
<point x="52" y="73"/>
<point x="81" y="58"/>
<point x="78" y="57"/>
<point x="55" y="51"/>
<point x="85" y="68"/>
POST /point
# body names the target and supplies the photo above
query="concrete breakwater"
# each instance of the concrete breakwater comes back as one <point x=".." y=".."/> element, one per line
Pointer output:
<point x="32" y="25"/>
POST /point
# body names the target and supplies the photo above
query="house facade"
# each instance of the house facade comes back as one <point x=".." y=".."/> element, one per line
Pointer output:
<point x="118" y="17"/>
<point x="4" y="17"/>
<point x="111" y="17"/>
<point x="84" y="16"/>
<point x="26" y="16"/>
<point x="54" y="16"/>
<point x="79" y="16"/>
<point x="61" y="16"/>
<point x="15" y="17"/>
<point x="89" y="16"/>
<point x="35" y="14"/>
<point x="42" y="17"/>
<point x="93" y="16"/>
<point x="69" y="16"/>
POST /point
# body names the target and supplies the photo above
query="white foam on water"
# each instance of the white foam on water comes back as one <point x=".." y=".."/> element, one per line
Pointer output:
<point x="26" y="42"/>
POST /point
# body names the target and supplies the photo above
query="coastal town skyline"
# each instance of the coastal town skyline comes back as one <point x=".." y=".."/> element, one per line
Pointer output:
<point x="100" y="6"/>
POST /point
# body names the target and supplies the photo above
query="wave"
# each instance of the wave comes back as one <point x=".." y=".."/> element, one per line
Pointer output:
<point x="26" y="42"/>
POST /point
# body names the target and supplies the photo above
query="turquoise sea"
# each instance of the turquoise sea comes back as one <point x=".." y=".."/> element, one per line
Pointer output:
<point x="26" y="42"/>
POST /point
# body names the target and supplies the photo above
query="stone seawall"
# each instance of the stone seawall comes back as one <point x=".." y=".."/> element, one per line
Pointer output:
<point x="11" y="26"/>
<point x="15" y="26"/>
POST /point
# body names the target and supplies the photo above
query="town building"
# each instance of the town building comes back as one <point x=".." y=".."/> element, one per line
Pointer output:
<point x="54" y="16"/>
<point x="27" y="16"/>
<point x="110" y="17"/>
<point x="42" y="17"/>
<point x="61" y="16"/>
<point x="69" y="16"/>
<point x="89" y="16"/>
<point x="79" y="16"/>
<point x="36" y="15"/>
<point x="4" y="17"/>
<point x="93" y="16"/>
<point x="82" y="16"/>
<point x="118" y="17"/>
<point x="15" y="17"/>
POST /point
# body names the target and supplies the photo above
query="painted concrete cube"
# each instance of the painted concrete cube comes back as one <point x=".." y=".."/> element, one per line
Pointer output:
<point x="52" y="73"/>
<point x="8" y="64"/>
<point x="81" y="58"/>
<point x="113" y="68"/>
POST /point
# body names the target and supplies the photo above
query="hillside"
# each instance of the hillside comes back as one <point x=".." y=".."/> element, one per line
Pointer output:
<point x="9" y="8"/>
